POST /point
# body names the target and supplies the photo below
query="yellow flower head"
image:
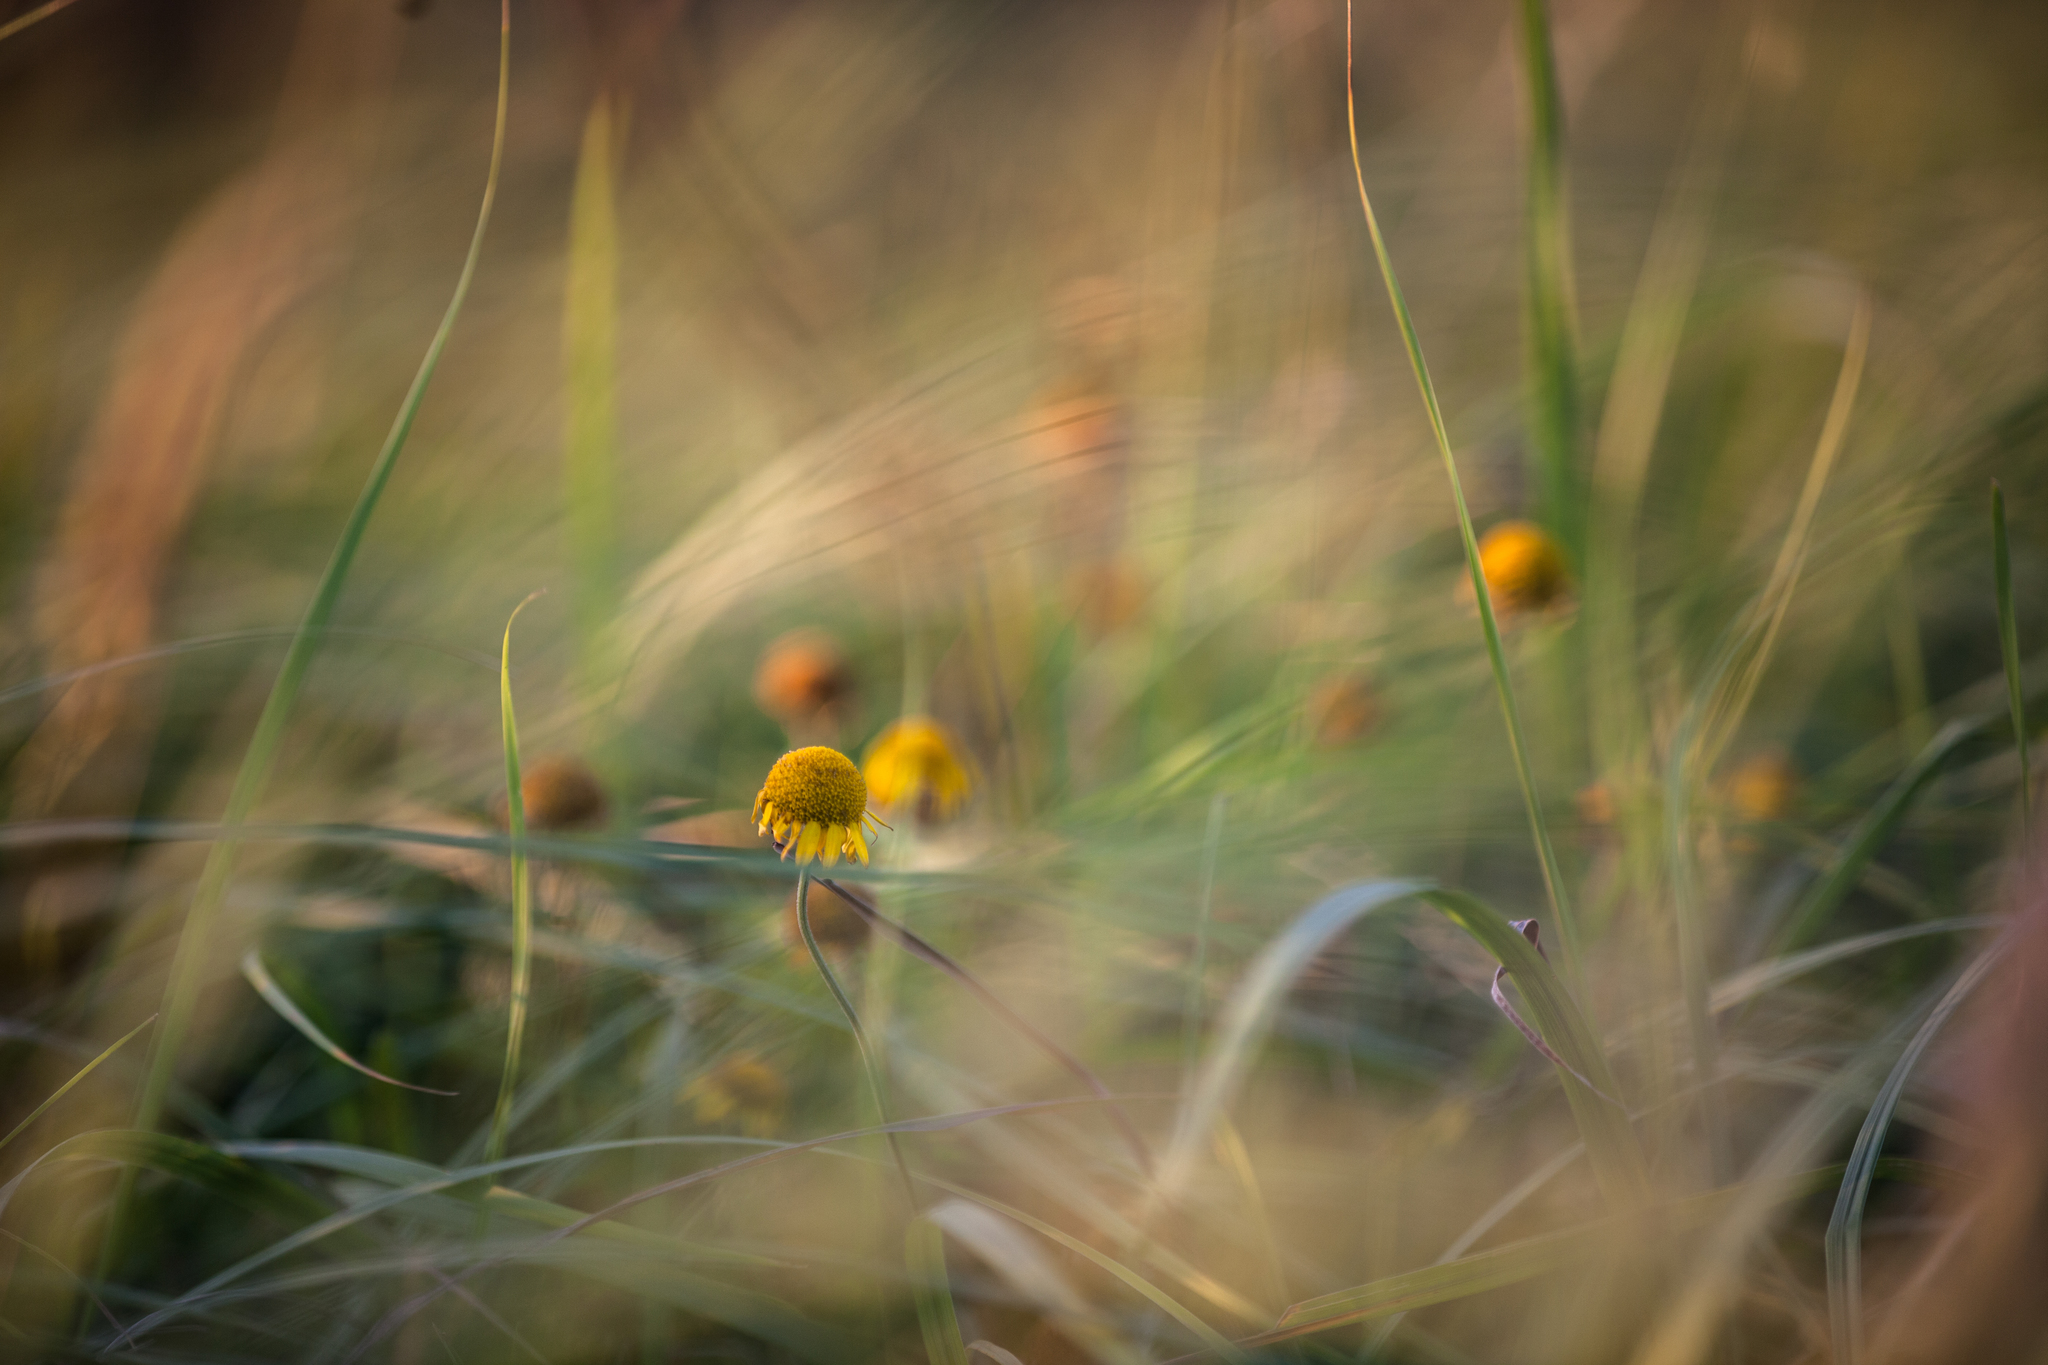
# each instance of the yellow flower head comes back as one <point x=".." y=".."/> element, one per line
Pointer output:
<point x="742" y="1088"/>
<point x="1523" y="567"/>
<point x="815" y="802"/>
<point x="917" y="762"/>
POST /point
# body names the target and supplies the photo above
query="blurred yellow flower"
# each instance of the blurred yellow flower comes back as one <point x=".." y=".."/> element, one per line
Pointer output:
<point x="742" y="1088"/>
<point x="1762" y="787"/>
<point x="816" y="803"/>
<point x="917" y="762"/>
<point x="1523" y="567"/>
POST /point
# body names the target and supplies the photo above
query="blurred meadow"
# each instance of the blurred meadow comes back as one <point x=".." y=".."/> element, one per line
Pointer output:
<point x="1281" y="947"/>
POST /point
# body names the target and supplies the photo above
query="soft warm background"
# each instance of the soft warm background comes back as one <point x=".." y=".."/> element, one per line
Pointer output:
<point x="1035" y="355"/>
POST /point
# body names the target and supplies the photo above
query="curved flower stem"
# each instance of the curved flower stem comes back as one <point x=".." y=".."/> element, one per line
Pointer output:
<point x="869" y="1062"/>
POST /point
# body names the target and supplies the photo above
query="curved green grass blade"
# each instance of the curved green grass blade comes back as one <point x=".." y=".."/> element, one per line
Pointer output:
<point x="273" y="995"/>
<point x="522" y="900"/>
<point x="1553" y="874"/>
<point x="61" y="1091"/>
<point x="924" y="1255"/>
<point x="1869" y="834"/>
<point x="1844" y="1242"/>
<point x="1746" y="985"/>
<point x="247" y="1186"/>
<point x="2009" y="648"/>
<point x="1248" y="1016"/>
<point x="182" y="991"/>
<point x="1611" y="1143"/>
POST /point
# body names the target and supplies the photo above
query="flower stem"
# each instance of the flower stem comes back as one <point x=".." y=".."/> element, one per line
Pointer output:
<point x="869" y="1062"/>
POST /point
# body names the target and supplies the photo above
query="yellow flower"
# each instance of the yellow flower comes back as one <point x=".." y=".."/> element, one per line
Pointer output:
<point x="743" y="1088"/>
<point x="1762" y="787"/>
<point x="816" y="803"/>
<point x="918" y="762"/>
<point x="1523" y="567"/>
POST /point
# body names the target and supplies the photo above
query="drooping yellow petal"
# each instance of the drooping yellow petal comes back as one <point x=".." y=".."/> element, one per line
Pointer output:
<point x="835" y="838"/>
<point x="858" y="846"/>
<point x="808" y="841"/>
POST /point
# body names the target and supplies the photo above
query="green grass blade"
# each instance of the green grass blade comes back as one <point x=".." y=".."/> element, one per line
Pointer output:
<point x="1249" y="1013"/>
<point x="1611" y="1143"/>
<point x="182" y="992"/>
<point x="522" y="900"/>
<point x="2009" y="647"/>
<point x="1553" y="875"/>
<point x="1869" y="835"/>
<point x="589" y="358"/>
<point x="61" y="1091"/>
<point x="1844" y="1242"/>
<point x="1549" y="304"/>
<point x="924" y="1252"/>
<point x="273" y="995"/>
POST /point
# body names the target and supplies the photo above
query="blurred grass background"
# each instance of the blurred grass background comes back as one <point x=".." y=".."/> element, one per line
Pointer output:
<point x="1027" y="366"/>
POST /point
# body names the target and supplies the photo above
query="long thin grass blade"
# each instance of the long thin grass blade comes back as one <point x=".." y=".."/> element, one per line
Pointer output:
<point x="61" y="1091"/>
<point x="1553" y="874"/>
<point x="1844" y="1242"/>
<point x="522" y="900"/>
<point x="273" y="995"/>
<point x="2009" y="648"/>
<point x="1589" y="1083"/>
<point x="1249" y="1014"/>
<point x="1549" y="305"/>
<point x="919" y="948"/>
<point x="1869" y="834"/>
<point x="182" y="991"/>
<point x="924" y="1248"/>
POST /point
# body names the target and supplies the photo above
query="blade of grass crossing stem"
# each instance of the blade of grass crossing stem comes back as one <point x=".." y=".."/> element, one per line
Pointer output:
<point x="2009" y="646"/>
<point x="181" y="993"/>
<point x="924" y="1254"/>
<point x="589" y="351"/>
<point x="871" y="1064"/>
<point x="65" y="1089"/>
<point x="522" y="900"/>
<point x="259" y="977"/>
<point x="1553" y="876"/>
<point x="1844" y="1243"/>
<point x="1548" y="298"/>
